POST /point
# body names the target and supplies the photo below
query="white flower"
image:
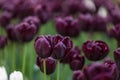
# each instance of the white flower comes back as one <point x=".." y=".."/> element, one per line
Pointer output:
<point x="89" y="4"/>
<point x="3" y="74"/>
<point x="102" y="12"/>
<point x="16" y="75"/>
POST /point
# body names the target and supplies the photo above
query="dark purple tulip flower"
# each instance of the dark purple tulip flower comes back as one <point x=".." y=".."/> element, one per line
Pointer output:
<point x="78" y="75"/>
<point x="71" y="6"/>
<point x="115" y="33"/>
<point x="113" y="70"/>
<point x="25" y="32"/>
<point x="32" y="20"/>
<point x="70" y="53"/>
<point x="5" y="18"/>
<point x="3" y="41"/>
<point x="43" y="47"/>
<point x="87" y="22"/>
<point x="67" y="26"/>
<point x="117" y="57"/>
<point x="25" y="8"/>
<point x="50" y="65"/>
<point x="77" y="62"/>
<point x="104" y="76"/>
<point x="115" y="15"/>
<point x="95" y="69"/>
<point x="11" y="33"/>
<point x="61" y="46"/>
<point x="95" y="50"/>
<point x="42" y="13"/>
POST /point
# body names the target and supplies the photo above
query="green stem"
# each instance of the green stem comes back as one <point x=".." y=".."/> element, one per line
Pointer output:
<point x="24" y="59"/>
<point x="44" y="65"/>
<point x="13" y="56"/>
<point x="1" y="57"/>
<point x="58" y="70"/>
<point x="31" y="63"/>
<point x="48" y="77"/>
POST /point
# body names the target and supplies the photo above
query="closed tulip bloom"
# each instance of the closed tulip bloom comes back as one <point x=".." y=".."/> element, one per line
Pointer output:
<point x="59" y="50"/>
<point x="117" y="57"/>
<point x="77" y="62"/>
<point x="50" y="65"/>
<point x="3" y="41"/>
<point x="16" y="75"/>
<point x="105" y="76"/>
<point x="95" y="50"/>
<point x="78" y="75"/>
<point x="33" y="20"/>
<point x="67" y="26"/>
<point x="43" y="47"/>
<point x="5" y="18"/>
<point x="11" y="33"/>
<point x="42" y="13"/>
<point x="95" y="69"/>
<point x="25" y="32"/>
<point x="3" y="74"/>
<point x="113" y="70"/>
<point x="70" y="53"/>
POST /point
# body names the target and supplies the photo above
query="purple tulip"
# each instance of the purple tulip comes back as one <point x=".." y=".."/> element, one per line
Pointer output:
<point x="25" y="32"/>
<point x="78" y="75"/>
<point x="3" y="41"/>
<point x="67" y="26"/>
<point x="117" y="57"/>
<point x="5" y="18"/>
<point x="70" y="53"/>
<point x="43" y="47"/>
<point x="77" y="62"/>
<point x="94" y="70"/>
<point x="103" y="77"/>
<point x="11" y="33"/>
<point x="50" y="65"/>
<point x="95" y="50"/>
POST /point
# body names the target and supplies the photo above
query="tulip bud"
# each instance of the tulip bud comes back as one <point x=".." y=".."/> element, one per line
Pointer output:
<point x="77" y="62"/>
<point x="59" y="50"/>
<point x="50" y="65"/>
<point x="25" y="32"/>
<point x="43" y="47"/>
<point x="78" y="75"/>
<point x="67" y="26"/>
<point x="117" y="57"/>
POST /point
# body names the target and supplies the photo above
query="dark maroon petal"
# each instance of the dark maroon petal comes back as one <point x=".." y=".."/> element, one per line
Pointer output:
<point x="78" y="75"/>
<point x="77" y="62"/>
<point x="67" y="26"/>
<point x="11" y="33"/>
<point x="59" y="50"/>
<point x="25" y="32"/>
<point x="69" y="54"/>
<point x="50" y="65"/>
<point x="3" y="41"/>
<point x="95" y="50"/>
<point x="95" y="69"/>
<point x="68" y="42"/>
<point x="103" y="76"/>
<point x="112" y="68"/>
<point x="117" y="57"/>
<point x="43" y="47"/>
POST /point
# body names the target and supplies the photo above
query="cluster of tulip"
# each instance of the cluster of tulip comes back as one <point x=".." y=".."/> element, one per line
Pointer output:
<point x="21" y="20"/>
